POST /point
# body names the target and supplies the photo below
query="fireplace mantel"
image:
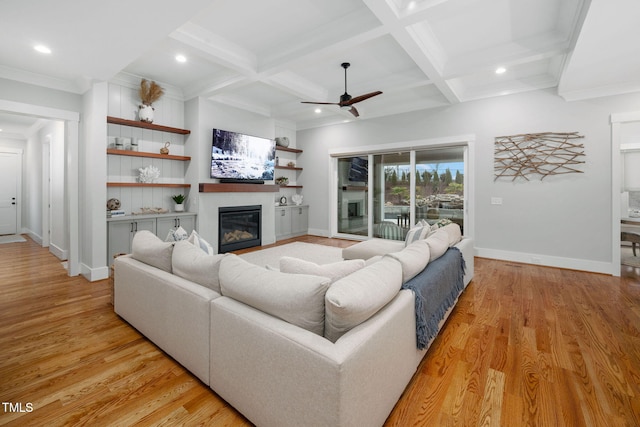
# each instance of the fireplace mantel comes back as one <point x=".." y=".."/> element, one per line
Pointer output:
<point x="238" y="188"/>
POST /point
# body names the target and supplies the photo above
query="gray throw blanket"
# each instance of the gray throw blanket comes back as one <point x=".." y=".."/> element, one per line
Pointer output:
<point x="436" y="289"/>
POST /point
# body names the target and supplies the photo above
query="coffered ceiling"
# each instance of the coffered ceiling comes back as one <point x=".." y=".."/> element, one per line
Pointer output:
<point x="266" y="56"/>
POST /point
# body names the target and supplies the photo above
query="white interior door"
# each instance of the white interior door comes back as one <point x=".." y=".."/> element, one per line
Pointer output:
<point x="9" y="170"/>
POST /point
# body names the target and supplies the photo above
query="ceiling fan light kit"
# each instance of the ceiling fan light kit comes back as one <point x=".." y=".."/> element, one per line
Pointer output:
<point x="346" y="100"/>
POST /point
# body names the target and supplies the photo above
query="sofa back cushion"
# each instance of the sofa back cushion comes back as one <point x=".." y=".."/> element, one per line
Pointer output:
<point x="294" y="298"/>
<point x="334" y="270"/>
<point x="192" y="263"/>
<point x="438" y="243"/>
<point x="150" y="249"/>
<point x="414" y="258"/>
<point x="358" y="296"/>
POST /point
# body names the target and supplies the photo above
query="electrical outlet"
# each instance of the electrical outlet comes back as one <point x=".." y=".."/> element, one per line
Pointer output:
<point x="496" y="200"/>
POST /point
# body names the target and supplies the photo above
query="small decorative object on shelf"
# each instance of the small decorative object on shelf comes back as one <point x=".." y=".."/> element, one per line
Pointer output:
<point x="149" y="174"/>
<point x="179" y="202"/>
<point x="282" y="180"/>
<point x="113" y="204"/>
<point x="283" y="201"/>
<point x="150" y="211"/>
<point x="165" y="149"/>
<point x="134" y="144"/>
<point x="297" y="199"/>
<point x="291" y="164"/>
<point x="282" y="141"/>
<point x="149" y="93"/>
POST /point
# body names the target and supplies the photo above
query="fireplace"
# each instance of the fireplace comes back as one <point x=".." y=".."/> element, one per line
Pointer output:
<point x="239" y="227"/>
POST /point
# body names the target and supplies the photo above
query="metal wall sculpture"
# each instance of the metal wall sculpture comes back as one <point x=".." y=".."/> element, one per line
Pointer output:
<point x="543" y="154"/>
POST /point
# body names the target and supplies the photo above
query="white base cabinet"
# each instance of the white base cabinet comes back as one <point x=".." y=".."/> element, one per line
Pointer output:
<point x="291" y="221"/>
<point x="120" y="230"/>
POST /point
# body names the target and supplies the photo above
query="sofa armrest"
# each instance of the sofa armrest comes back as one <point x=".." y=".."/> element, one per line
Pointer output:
<point x="468" y="252"/>
<point x="172" y="312"/>
<point x="277" y="374"/>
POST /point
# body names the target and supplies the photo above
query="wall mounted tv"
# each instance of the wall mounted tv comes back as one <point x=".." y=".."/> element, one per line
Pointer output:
<point x="359" y="169"/>
<point x="236" y="157"/>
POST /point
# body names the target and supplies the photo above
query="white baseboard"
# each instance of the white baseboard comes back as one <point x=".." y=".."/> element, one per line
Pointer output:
<point x="62" y="254"/>
<point x="35" y="237"/>
<point x="318" y="232"/>
<point x="94" y="274"/>
<point x="546" y="260"/>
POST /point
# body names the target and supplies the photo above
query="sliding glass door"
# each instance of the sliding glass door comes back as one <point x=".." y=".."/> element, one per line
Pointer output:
<point x="353" y="196"/>
<point x="407" y="186"/>
<point x="440" y="185"/>
<point x="392" y="195"/>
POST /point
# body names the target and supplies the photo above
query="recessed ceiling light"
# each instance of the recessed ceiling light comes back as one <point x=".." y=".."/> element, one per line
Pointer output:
<point x="411" y="5"/>
<point x="42" y="48"/>
<point x="318" y="110"/>
<point x="181" y="58"/>
<point x="501" y="70"/>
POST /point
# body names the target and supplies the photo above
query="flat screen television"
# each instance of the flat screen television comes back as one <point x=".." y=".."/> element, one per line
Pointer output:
<point x="238" y="157"/>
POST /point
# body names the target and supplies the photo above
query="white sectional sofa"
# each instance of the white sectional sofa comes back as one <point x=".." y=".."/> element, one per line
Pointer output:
<point x="283" y="349"/>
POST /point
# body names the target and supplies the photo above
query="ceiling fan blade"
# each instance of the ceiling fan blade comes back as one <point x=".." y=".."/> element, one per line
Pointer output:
<point x="354" y="112"/>
<point x="362" y="98"/>
<point x="319" y="103"/>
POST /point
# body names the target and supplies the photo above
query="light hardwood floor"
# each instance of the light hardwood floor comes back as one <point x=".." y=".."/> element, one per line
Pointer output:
<point x="526" y="345"/>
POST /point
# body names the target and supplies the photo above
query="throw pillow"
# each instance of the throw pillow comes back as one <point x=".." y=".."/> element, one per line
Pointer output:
<point x="191" y="263"/>
<point x="150" y="249"/>
<point x="176" y="234"/>
<point x="294" y="298"/>
<point x="334" y="271"/>
<point x="441" y="223"/>
<point x="358" y="296"/>
<point x="414" y="258"/>
<point x="197" y="240"/>
<point x="415" y="234"/>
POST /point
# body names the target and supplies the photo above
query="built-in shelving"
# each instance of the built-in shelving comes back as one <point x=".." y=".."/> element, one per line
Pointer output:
<point x="290" y="150"/>
<point x="145" y="125"/>
<point x="144" y="184"/>
<point x="131" y="153"/>
<point x="291" y="168"/>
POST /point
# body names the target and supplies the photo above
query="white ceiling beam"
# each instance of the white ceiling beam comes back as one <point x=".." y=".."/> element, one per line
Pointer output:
<point x="221" y="50"/>
<point x="296" y="85"/>
<point x="412" y="46"/>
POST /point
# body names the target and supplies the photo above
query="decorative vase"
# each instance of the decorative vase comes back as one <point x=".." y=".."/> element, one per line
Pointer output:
<point x="145" y="113"/>
<point x="179" y="207"/>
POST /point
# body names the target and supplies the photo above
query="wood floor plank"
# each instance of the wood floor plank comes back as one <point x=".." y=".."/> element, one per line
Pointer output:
<point x="525" y="345"/>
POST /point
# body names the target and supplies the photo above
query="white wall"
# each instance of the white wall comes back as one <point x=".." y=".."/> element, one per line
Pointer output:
<point x="32" y="189"/>
<point x="563" y="220"/>
<point x="59" y="237"/>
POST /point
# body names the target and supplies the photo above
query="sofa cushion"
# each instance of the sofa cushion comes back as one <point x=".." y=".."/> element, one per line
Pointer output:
<point x="197" y="240"/>
<point x="334" y="270"/>
<point x="358" y="296"/>
<point x="192" y="263"/>
<point x="454" y="233"/>
<point x="295" y="298"/>
<point x="150" y="249"/>
<point x="438" y="243"/>
<point x="372" y="247"/>
<point x="414" y="258"/>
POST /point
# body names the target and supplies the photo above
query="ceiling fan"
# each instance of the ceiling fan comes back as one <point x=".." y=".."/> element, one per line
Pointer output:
<point x="346" y="101"/>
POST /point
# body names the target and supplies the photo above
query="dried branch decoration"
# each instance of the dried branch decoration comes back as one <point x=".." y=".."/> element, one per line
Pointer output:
<point x="544" y="154"/>
<point x="149" y="92"/>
